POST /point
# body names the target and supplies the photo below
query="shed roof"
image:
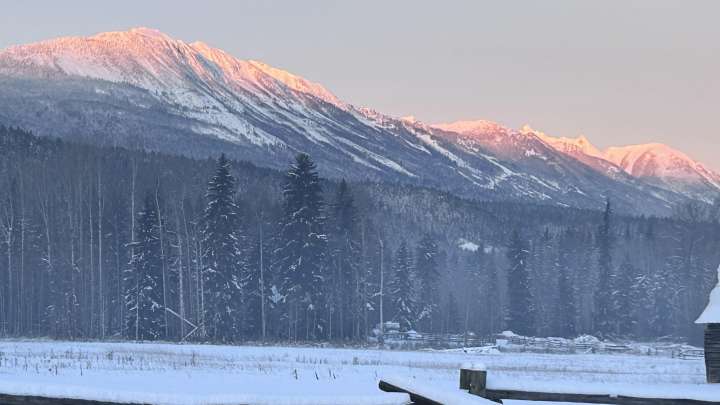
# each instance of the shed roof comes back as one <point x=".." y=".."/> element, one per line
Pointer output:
<point x="711" y="314"/>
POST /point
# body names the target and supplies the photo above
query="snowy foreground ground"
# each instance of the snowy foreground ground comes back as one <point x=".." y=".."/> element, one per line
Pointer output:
<point x="203" y="374"/>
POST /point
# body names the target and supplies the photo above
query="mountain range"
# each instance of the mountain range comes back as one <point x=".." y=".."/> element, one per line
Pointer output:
<point x="144" y="89"/>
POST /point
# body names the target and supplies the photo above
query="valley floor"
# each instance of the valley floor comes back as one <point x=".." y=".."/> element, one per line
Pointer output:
<point x="194" y="374"/>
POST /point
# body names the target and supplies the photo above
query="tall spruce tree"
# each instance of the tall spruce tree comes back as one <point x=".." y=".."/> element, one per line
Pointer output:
<point x="622" y="283"/>
<point x="603" y="314"/>
<point x="400" y="290"/>
<point x="452" y="322"/>
<point x="426" y="270"/>
<point x="143" y="281"/>
<point x="344" y="248"/>
<point x="520" y="316"/>
<point x="491" y="291"/>
<point x="302" y="250"/>
<point x="225" y="269"/>
<point x="566" y="309"/>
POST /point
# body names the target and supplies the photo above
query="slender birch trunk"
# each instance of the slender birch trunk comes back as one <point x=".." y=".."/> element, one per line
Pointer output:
<point x="101" y="286"/>
<point x="162" y="257"/>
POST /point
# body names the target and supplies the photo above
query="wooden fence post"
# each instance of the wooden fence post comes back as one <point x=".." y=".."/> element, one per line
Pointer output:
<point x="473" y="377"/>
<point x="712" y="353"/>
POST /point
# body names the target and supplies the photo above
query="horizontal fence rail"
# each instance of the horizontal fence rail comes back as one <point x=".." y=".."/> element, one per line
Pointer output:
<point x="475" y="382"/>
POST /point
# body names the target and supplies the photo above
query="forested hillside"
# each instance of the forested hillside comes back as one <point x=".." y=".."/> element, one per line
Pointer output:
<point x="110" y="243"/>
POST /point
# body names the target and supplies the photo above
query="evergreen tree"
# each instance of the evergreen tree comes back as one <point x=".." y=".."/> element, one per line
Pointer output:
<point x="302" y="249"/>
<point x="259" y="281"/>
<point x="70" y="216"/>
<point x="520" y="317"/>
<point x="566" y="310"/>
<point x="472" y="284"/>
<point x="491" y="291"/>
<point x="145" y="314"/>
<point x="603" y="315"/>
<point x="452" y="314"/>
<point x="400" y="290"/>
<point x="426" y="270"/>
<point x="225" y="270"/>
<point x="621" y="297"/>
<point x="663" y="298"/>
<point x="345" y="291"/>
<point x="369" y="275"/>
<point x="543" y="277"/>
<point x="641" y="298"/>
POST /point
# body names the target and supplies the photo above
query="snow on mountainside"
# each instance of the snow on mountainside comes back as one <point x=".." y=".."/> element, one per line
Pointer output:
<point x="204" y="80"/>
<point x="142" y="88"/>
<point x="655" y="163"/>
<point x="658" y="160"/>
<point x="668" y="168"/>
<point x="582" y="149"/>
<point x="151" y="59"/>
<point x="557" y="161"/>
<point x="570" y="146"/>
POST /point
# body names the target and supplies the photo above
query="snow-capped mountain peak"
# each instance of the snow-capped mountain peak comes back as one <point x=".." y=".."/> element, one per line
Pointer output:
<point x="144" y="31"/>
<point x="142" y="88"/>
<point x="581" y="144"/>
<point x="656" y="160"/>
<point x="151" y="59"/>
<point x="656" y="163"/>
<point x="471" y="127"/>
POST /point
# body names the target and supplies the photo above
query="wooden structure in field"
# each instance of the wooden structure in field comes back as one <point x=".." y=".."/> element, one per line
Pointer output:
<point x="711" y="319"/>
<point x="8" y="399"/>
<point x="473" y="380"/>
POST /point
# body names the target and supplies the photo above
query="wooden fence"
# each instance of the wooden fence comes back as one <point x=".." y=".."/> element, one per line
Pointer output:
<point x="440" y="340"/>
<point x="6" y="399"/>
<point x="475" y="382"/>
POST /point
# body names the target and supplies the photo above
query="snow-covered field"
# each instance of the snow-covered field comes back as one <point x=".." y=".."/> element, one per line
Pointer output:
<point x="193" y="374"/>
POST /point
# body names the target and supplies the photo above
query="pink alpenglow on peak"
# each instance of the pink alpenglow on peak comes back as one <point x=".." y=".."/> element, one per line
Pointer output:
<point x="566" y="145"/>
<point x="299" y="84"/>
<point x="657" y="164"/>
<point x="471" y="127"/>
<point x="659" y="160"/>
<point x="151" y="59"/>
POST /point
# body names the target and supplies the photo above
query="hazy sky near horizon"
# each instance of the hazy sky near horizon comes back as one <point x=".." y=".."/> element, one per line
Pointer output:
<point x="618" y="71"/>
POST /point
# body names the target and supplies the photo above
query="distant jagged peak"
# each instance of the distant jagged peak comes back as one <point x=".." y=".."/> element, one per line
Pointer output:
<point x="661" y="161"/>
<point x="580" y="144"/>
<point x="151" y="33"/>
<point x="650" y="160"/>
<point x="472" y="127"/>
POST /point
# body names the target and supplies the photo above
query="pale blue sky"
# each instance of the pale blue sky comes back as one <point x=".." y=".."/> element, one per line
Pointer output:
<point x="619" y="71"/>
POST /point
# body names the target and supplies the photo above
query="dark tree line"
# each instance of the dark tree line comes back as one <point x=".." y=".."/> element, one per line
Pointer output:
<point x="107" y="243"/>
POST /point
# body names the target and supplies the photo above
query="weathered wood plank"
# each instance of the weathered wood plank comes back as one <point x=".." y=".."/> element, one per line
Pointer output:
<point x="712" y="352"/>
<point x="660" y="401"/>
<point x="465" y="378"/>
<point x="494" y="394"/>
<point x="414" y="397"/>
<point x="473" y="379"/>
<point x="478" y="382"/>
<point x="7" y="399"/>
